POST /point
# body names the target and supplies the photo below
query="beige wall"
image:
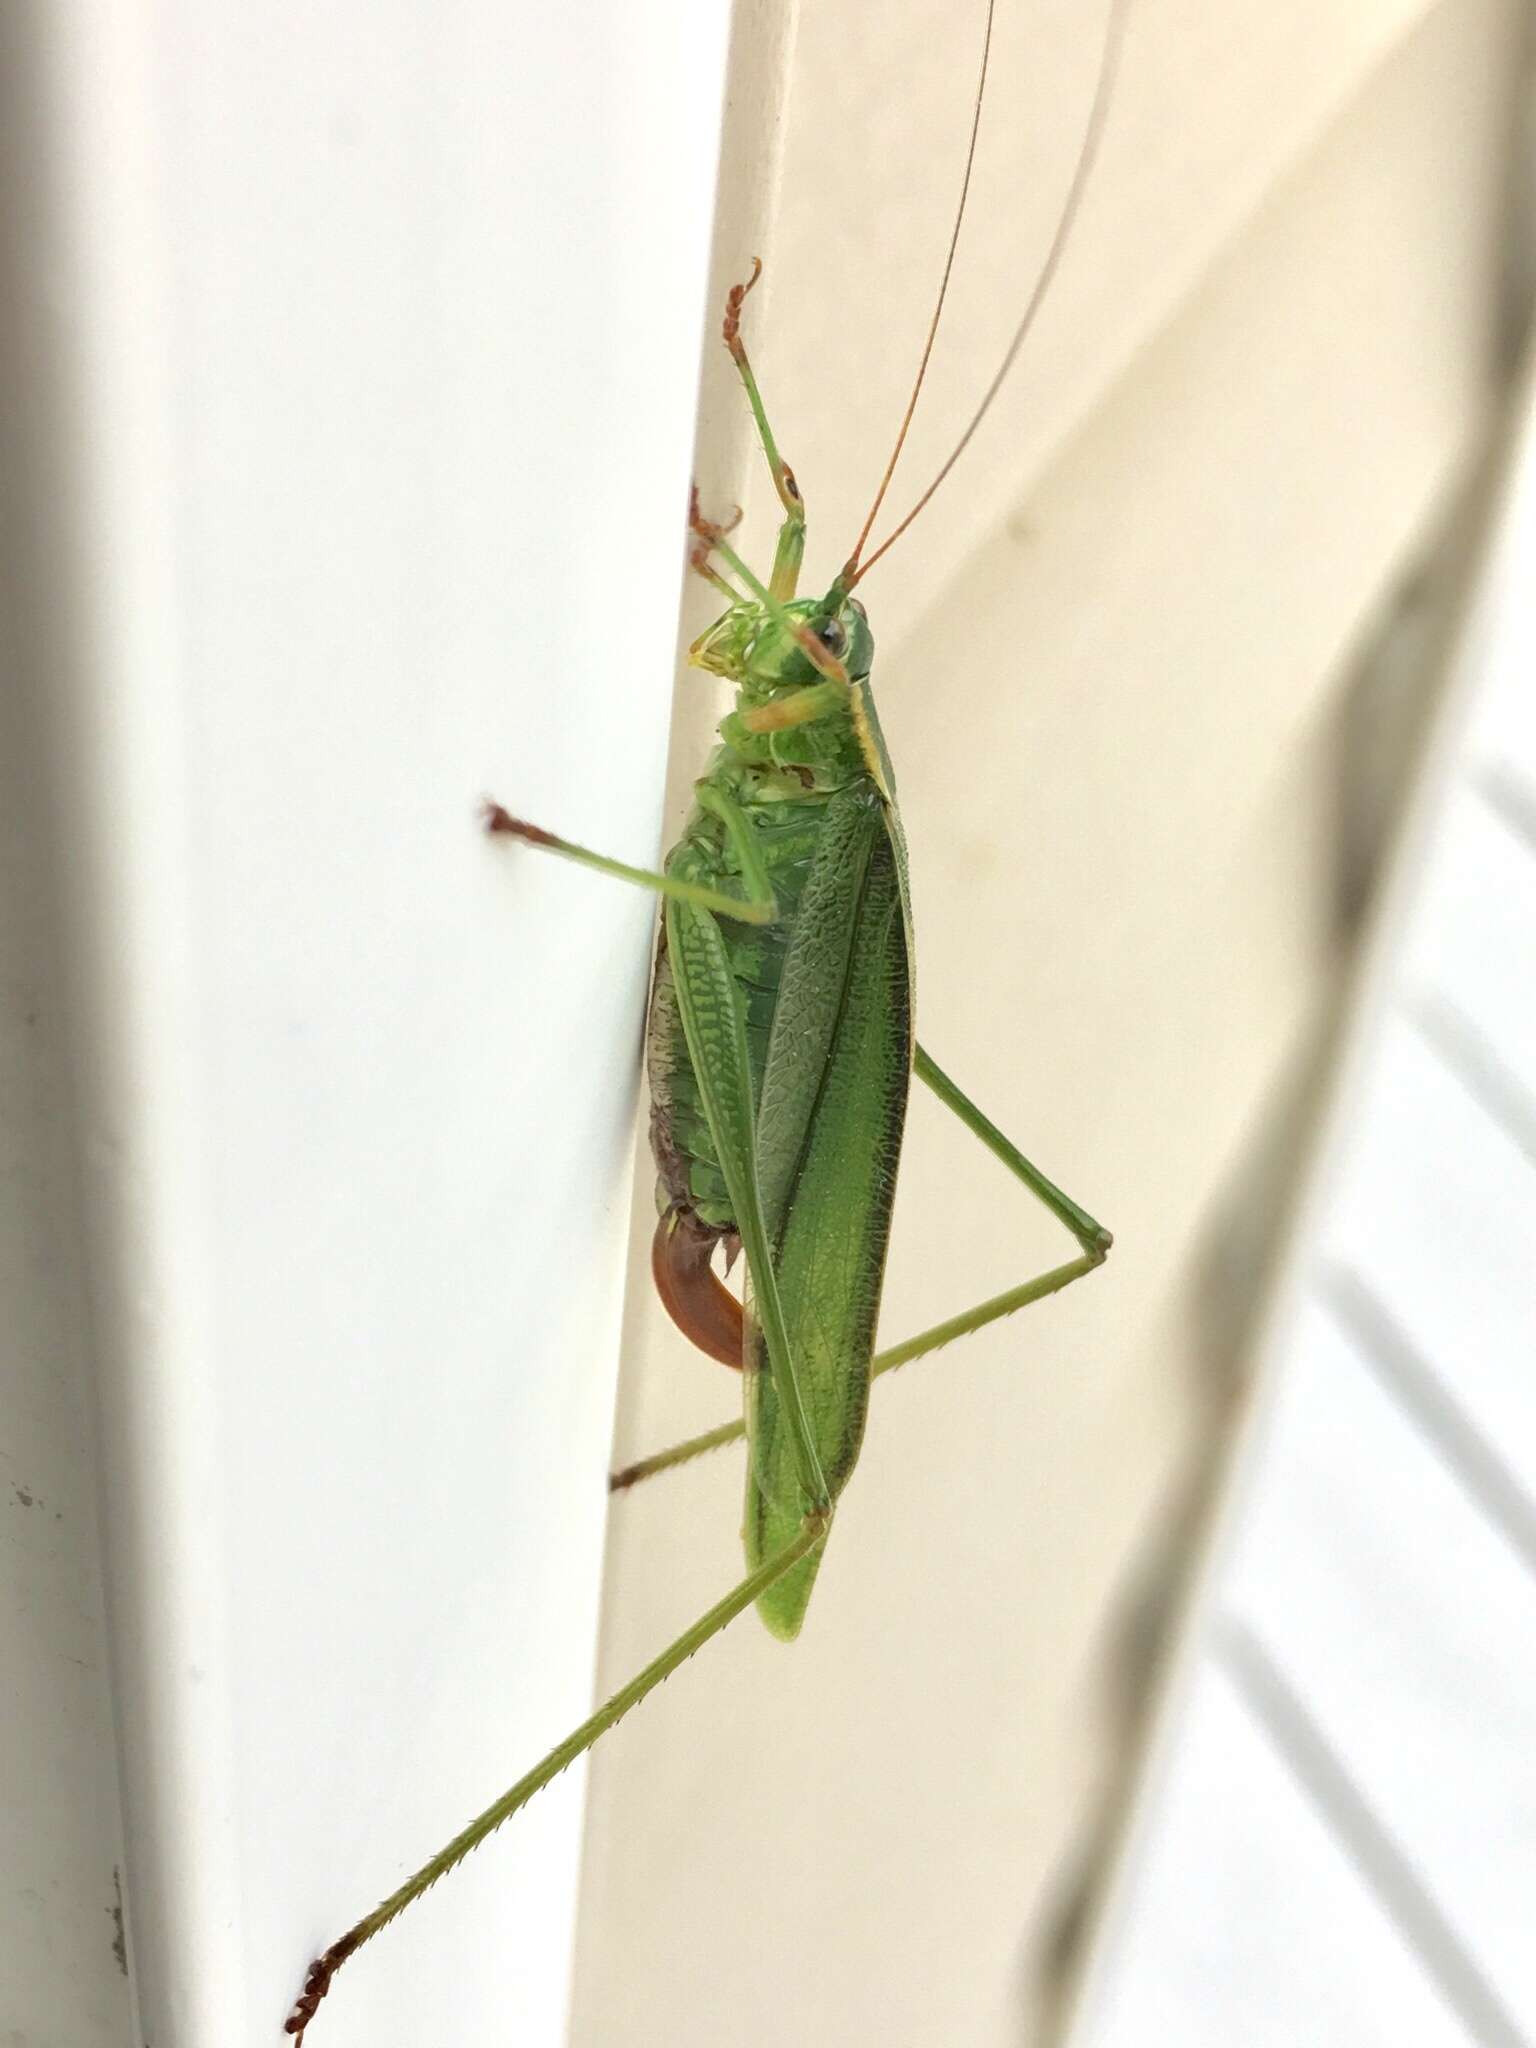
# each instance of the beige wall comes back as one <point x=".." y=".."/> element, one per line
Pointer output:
<point x="1111" y="663"/>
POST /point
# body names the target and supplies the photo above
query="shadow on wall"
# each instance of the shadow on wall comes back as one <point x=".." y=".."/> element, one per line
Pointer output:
<point x="1373" y="744"/>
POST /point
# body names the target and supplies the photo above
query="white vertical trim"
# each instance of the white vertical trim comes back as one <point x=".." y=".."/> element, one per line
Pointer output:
<point x="382" y="335"/>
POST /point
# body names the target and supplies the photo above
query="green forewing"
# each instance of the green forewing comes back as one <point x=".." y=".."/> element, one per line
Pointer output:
<point x="809" y="1000"/>
<point x="714" y="1025"/>
<point x="829" y="1135"/>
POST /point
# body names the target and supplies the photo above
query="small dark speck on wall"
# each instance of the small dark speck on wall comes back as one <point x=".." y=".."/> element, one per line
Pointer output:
<point x="119" y="1942"/>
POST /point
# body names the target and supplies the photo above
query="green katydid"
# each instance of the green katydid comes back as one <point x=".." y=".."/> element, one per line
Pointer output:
<point x="781" y="1048"/>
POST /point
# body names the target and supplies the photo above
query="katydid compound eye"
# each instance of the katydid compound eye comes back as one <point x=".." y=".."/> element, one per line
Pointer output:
<point x="831" y="635"/>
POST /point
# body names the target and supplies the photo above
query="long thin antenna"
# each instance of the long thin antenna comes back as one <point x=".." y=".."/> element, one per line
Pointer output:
<point x="1093" y="135"/>
<point x="933" y="325"/>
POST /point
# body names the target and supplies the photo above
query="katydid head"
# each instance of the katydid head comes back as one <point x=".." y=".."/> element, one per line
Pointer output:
<point x="801" y="670"/>
<point x="764" y="649"/>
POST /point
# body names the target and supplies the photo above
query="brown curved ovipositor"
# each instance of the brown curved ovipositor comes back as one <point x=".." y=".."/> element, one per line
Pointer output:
<point x="703" y="1308"/>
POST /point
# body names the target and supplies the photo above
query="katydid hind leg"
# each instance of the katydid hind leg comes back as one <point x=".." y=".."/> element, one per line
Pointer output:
<point x="965" y="1324"/>
<point x="321" y="1973"/>
<point x="1090" y="1234"/>
<point x="1094" y="1239"/>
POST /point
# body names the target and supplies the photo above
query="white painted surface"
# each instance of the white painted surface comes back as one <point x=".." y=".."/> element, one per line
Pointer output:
<point x="1407" y="1624"/>
<point x="1370" y="1617"/>
<point x="1279" y="1940"/>
<point x="371" y="369"/>
<point x="60" y="1837"/>
<point x="1471" y="951"/>
<point x="1438" y="1214"/>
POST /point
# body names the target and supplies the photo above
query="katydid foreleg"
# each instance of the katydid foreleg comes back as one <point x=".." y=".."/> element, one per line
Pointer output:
<point x="791" y="545"/>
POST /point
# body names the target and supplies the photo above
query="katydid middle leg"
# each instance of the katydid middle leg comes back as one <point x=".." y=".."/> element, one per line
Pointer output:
<point x="1090" y="1234"/>
<point x="757" y="907"/>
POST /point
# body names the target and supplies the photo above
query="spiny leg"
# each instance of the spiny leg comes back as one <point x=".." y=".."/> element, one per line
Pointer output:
<point x="1091" y="1235"/>
<point x="1008" y="1303"/>
<point x="318" y="1980"/>
<point x="791" y="546"/>
<point x="757" y="907"/>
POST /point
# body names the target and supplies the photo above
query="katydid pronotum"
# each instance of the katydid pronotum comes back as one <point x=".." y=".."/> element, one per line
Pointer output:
<point x="781" y="1048"/>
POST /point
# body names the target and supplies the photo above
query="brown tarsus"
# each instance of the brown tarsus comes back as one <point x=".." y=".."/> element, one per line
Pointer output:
<point x="316" y="1984"/>
<point x="495" y="819"/>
